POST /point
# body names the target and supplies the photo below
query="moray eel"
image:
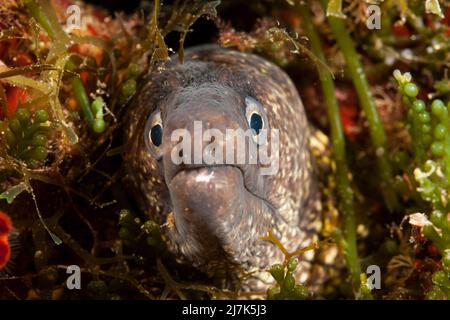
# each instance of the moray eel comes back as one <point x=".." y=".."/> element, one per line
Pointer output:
<point x="214" y="215"/>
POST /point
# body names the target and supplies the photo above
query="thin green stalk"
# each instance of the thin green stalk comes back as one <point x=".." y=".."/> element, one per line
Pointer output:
<point x="345" y="192"/>
<point x="81" y="95"/>
<point x="367" y="103"/>
<point x="40" y="17"/>
<point x="44" y="14"/>
<point x="48" y="21"/>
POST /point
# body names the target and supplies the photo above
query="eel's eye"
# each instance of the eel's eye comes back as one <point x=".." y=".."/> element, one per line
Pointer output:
<point x="153" y="135"/>
<point x="156" y="134"/>
<point x="256" y="123"/>
<point x="257" y="119"/>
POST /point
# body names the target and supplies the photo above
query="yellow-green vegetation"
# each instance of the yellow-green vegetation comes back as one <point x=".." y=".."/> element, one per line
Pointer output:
<point x="26" y="136"/>
<point x="287" y="289"/>
<point x="429" y="126"/>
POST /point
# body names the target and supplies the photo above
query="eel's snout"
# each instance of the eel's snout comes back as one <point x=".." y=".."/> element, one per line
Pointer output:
<point x="195" y="129"/>
<point x="201" y="180"/>
<point x="205" y="200"/>
<point x="209" y="199"/>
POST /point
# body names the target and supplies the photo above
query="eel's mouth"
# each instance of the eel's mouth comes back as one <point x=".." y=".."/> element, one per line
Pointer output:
<point x="215" y="213"/>
<point x="204" y="173"/>
<point x="208" y="189"/>
<point x="213" y="177"/>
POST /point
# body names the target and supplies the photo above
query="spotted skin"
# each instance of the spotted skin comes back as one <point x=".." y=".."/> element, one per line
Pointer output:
<point x="217" y="226"/>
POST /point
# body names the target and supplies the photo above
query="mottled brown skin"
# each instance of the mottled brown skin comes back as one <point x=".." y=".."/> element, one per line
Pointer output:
<point x="217" y="225"/>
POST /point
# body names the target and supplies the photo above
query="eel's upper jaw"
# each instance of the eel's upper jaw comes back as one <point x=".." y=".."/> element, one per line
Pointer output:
<point x="215" y="214"/>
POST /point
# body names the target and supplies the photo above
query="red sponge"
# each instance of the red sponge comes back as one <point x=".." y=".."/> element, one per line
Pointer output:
<point x="5" y="228"/>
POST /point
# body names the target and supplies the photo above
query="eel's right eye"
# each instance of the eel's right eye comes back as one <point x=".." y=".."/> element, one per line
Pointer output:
<point x="154" y="134"/>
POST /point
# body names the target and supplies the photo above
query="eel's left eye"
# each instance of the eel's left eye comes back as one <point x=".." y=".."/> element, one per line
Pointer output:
<point x="256" y="122"/>
<point x="153" y="134"/>
<point x="257" y="119"/>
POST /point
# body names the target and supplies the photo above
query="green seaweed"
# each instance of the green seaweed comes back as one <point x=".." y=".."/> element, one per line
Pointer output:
<point x="429" y="127"/>
<point x="287" y="289"/>
<point x="10" y="194"/>
<point x="27" y="135"/>
<point x="346" y="196"/>
<point x="367" y="102"/>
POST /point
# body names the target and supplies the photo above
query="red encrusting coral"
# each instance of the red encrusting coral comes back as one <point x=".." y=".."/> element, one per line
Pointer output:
<point x="5" y="229"/>
<point x="15" y="96"/>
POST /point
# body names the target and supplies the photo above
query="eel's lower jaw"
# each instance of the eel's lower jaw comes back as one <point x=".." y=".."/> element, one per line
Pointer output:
<point x="215" y="216"/>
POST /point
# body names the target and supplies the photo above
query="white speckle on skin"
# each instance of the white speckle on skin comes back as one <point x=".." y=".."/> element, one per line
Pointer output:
<point x="204" y="177"/>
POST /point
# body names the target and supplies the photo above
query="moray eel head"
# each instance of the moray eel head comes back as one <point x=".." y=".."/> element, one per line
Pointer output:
<point x="185" y="136"/>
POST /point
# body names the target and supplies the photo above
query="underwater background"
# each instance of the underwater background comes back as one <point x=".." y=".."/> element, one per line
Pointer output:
<point x="372" y="75"/>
